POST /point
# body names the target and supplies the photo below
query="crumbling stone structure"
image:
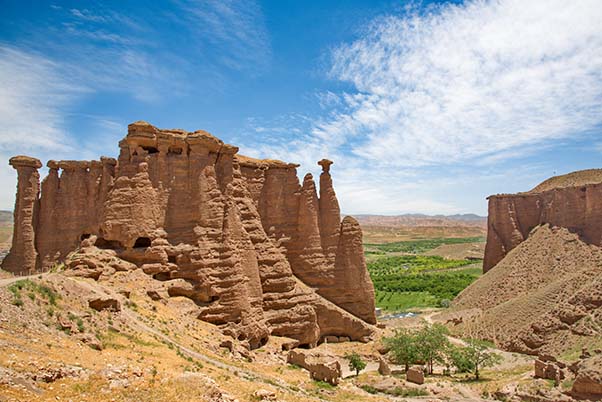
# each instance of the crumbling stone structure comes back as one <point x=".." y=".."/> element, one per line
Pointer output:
<point x="258" y="252"/>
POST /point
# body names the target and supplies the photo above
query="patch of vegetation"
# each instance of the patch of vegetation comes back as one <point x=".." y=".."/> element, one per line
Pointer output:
<point x="32" y="288"/>
<point x="412" y="264"/>
<point x="369" y="389"/>
<point x="419" y="246"/>
<point x="355" y="362"/>
<point x="323" y="385"/>
<point x="409" y="392"/>
<point x="399" y="301"/>
<point x="401" y="291"/>
<point x="430" y="345"/>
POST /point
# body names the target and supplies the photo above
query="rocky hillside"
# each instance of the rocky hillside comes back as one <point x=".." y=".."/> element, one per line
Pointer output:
<point x="125" y="338"/>
<point x="545" y="296"/>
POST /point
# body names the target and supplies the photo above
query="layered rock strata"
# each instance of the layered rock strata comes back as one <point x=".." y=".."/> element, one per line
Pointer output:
<point x="512" y="216"/>
<point x="258" y="252"/>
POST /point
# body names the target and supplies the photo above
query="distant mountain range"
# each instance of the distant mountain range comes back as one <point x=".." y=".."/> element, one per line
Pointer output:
<point x="422" y="220"/>
<point x="6" y="216"/>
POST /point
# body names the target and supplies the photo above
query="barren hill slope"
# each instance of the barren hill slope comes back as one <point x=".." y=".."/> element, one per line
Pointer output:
<point x="573" y="179"/>
<point x="543" y="296"/>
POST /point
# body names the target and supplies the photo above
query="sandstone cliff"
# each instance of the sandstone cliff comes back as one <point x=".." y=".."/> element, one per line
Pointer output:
<point x="571" y="201"/>
<point x="257" y="251"/>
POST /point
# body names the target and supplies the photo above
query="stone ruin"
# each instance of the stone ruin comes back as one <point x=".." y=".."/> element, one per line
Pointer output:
<point x="257" y="251"/>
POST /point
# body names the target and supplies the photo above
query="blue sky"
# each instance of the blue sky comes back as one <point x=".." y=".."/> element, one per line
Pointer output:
<point x="424" y="106"/>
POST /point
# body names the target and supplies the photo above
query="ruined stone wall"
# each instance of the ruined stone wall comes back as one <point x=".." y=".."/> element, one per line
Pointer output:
<point x="512" y="217"/>
<point x="256" y="251"/>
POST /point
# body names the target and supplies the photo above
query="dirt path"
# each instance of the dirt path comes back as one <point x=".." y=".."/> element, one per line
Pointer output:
<point x="8" y="281"/>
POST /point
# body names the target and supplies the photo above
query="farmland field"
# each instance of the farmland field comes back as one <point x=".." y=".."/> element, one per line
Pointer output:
<point x="406" y="280"/>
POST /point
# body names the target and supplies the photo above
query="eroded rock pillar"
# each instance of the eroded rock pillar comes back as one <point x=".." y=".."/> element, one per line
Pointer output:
<point x="330" y="213"/>
<point x="23" y="255"/>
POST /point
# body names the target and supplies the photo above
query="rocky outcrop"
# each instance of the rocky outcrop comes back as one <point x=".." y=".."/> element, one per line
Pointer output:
<point x="574" y="205"/>
<point x="257" y="252"/>
<point x="23" y="255"/>
<point x="415" y="374"/>
<point x="588" y="381"/>
<point x="321" y="367"/>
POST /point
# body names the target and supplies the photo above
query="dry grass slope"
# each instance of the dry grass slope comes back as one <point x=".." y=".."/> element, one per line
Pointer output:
<point x="573" y="179"/>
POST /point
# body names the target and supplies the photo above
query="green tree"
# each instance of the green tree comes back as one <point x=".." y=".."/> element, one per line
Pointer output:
<point x="432" y="344"/>
<point x="460" y="359"/>
<point x="403" y="347"/>
<point x="355" y="362"/>
<point x="473" y="357"/>
<point x="478" y="354"/>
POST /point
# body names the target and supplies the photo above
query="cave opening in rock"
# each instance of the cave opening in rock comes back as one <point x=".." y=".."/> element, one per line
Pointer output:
<point x="171" y="259"/>
<point x="162" y="276"/>
<point x="151" y="150"/>
<point x="142" y="242"/>
<point x="108" y="244"/>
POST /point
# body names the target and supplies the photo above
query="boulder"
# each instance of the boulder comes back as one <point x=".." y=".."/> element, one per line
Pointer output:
<point x="415" y="374"/>
<point x="588" y="382"/>
<point x="264" y="395"/>
<point x="321" y="367"/>
<point x="383" y="367"/>
<point x="549" y="369"/>
<point x="105" y="303"/>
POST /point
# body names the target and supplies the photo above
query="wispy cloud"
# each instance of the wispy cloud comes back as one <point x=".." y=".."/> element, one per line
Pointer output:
<point x="236" y="28"/>
<point x="461" y="82"/>
<point x="453" y="87"/>
<point x="32" y="97"/>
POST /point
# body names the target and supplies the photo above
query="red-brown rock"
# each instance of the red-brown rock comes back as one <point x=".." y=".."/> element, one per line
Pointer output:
<point x="256" y="251"/>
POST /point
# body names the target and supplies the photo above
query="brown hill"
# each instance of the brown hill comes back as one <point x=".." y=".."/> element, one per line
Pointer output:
<point x="573" y="179"/>
<point x="544" y="296"/>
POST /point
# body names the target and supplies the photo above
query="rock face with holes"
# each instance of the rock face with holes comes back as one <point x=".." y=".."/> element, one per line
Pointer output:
<point x="257" y="251"/>
<point x="571" y="201"/>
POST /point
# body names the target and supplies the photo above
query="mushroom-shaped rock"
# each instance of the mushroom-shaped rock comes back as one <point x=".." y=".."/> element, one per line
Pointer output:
<point x="325" y="163"/>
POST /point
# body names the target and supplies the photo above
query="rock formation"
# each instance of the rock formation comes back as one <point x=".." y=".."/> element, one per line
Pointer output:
<point x="23" y="254"/>
<point x="571" y="201"/>
<point x="545" y="296"/>
<point x="258" y="252"/>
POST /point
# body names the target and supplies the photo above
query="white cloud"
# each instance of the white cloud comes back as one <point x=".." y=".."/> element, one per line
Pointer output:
<point x="471" y="86"/>
<point x="32" y="96"/>
<point x="463" y="82"/>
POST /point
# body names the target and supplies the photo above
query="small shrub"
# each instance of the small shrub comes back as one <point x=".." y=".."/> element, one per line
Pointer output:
<point x="323" y="384"/>
<point x="355" y="362"/>
<point x="369" y="389"/>
<point x="409" y="392"/>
